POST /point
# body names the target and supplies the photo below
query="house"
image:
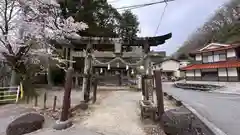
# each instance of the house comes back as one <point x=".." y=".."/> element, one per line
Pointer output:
<point x="170" y="67"/>
<point x="215" y="62"/>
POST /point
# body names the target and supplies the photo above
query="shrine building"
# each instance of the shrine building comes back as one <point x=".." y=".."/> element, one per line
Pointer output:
<point x="107" y="56"/>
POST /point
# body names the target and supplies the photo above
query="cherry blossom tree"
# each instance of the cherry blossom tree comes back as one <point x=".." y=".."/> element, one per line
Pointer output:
<point x="26" y="27"/>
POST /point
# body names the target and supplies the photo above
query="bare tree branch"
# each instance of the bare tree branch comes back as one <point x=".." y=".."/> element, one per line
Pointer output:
<point x="11" y="11"/>
<point x="2" y="29"/>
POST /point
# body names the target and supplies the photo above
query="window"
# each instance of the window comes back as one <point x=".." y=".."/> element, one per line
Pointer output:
<point x="210" y="58"/>
<point x="205" y="59"/>
<point x="216" y="57"/>
<point x="222" y="57"/>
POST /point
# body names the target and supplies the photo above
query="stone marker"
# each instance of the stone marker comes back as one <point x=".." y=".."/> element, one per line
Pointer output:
<point x="181" y="121"/>
<point x="25" y="124"/>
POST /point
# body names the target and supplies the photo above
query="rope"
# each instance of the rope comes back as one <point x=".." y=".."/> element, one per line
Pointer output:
<point x="118" y="58"/>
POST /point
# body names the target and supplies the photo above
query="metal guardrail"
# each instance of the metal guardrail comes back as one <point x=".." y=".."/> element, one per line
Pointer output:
<point x="11" y="94"/>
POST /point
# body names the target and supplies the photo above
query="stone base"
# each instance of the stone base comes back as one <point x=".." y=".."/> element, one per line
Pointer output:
<point x="61" y="125"/>
<point x="83" y="105"/>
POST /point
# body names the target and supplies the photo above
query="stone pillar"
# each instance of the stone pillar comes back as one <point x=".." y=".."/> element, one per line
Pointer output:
<point x="139" y="82"/>
<point x="147" y="72"/>
<point x="63" y="52"/>
<point x="105" y="72"/>
<point x="159" y="92"/>
<point x="128" y="73"/>
<point x="66" y="54"/>
<point x="71" y="57"/>
<point x="76" y="80"/>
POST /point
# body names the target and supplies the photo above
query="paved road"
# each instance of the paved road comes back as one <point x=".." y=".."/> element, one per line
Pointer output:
<point x="223" y="110"/>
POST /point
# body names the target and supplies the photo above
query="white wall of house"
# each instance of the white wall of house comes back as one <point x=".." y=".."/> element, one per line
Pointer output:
<point x="222" y="72"/>
<point x="231" y="53"/>
<point x="198" y="57"/>
<point x="198" y="73"/>
<point x="232" y="72"/>
<point x="171" y="65"/>
<point x="190" y="73"/>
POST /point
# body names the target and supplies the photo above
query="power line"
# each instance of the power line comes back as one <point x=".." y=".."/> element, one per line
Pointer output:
<point x="113" y="1"/>
<point x="160" y="21"/>
<point x="142" y="5"/>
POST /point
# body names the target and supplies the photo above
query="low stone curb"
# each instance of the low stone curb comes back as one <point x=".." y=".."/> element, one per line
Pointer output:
<point x="209" y="124"/>
<point x="213" y="87"/>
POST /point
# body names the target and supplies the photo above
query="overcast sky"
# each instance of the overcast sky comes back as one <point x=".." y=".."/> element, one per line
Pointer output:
<point x="182" y="17"/>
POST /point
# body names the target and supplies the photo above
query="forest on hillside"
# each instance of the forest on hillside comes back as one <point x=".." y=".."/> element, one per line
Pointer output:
<point x="222" y="27"/>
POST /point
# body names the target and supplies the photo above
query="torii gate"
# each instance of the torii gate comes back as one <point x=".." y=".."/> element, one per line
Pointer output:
<point x="144" y="42"/>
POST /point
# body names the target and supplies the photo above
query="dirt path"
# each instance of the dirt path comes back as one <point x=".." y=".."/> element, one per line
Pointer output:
<point x="118" y="114"/>
<point x="114" y="113"/>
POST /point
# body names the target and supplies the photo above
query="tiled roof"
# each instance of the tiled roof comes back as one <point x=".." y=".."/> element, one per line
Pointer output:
<point x="218" y="49"/>
<point x="223" y="64"/>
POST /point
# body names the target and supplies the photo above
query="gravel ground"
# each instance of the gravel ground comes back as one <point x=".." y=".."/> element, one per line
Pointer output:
<point x="114" y="113"/>
<point x="119" y="114"/>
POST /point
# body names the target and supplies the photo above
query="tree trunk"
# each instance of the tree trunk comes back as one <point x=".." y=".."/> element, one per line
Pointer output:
<point x="14" y="79"/>
<point x="87" y="71"/>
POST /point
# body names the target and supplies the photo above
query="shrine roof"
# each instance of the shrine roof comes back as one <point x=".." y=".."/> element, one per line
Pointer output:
<point x="139" y="41"/>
